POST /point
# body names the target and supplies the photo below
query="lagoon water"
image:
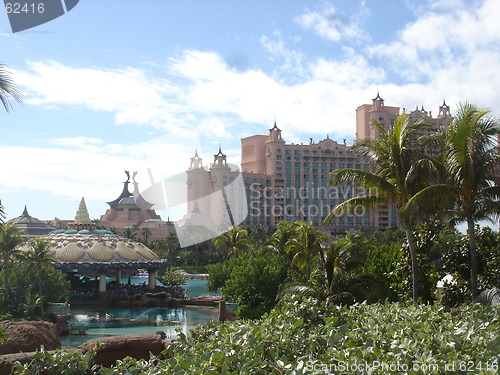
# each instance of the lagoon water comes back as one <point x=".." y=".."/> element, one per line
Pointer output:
<point x="99" y="321"/>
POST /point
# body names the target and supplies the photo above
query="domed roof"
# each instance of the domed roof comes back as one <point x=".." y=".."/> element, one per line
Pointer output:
<point x="93" y="249"/>
<point x="31" y="226"/>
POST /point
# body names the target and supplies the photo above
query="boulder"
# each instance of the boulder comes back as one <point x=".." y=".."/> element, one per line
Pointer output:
<point x="114" y="348"/>
<point x="27" y="336"/>
<point x="61" y="322"/>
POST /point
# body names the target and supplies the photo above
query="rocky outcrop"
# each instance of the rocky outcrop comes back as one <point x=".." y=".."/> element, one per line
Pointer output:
<point x="118" y="347"/>
<point x="61" y="322"/>
<point x="26" y="336"/>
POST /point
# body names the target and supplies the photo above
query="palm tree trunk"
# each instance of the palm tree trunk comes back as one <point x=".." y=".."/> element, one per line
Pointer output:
<point x="473" y="257"/>
<point x="40" y="288"/>
<point x="6" y="284"/>
<point x="414" y="260"/>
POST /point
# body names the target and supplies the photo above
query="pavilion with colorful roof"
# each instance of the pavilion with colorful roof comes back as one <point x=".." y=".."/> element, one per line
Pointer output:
<point x="84" y="249"/>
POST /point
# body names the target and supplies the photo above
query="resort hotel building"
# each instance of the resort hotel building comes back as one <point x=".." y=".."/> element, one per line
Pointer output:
<point x="291" y="182"/>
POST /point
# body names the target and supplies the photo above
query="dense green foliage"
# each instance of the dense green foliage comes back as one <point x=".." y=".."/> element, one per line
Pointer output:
<point x="171" y="278"/>
<point x="24" y="299"/>
<point x="251" y="279"/>
<point x="301" y="337"/>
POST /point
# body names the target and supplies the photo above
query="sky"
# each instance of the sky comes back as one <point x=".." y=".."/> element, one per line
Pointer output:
<point x="140" y="85"/>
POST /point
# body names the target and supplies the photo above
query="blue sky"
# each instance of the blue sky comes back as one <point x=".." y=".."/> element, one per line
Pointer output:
<point x="122" y="84"/>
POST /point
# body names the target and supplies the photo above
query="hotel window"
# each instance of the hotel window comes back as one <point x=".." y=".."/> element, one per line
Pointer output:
<point x="288" y="152"/>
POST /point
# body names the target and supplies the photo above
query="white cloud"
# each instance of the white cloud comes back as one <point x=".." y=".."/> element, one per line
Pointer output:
<point x="76" y="141"/>
<point x="199" y="94"/>
<point x="451" y="53"/>
<point x="332" y="24"/>
<point x="438" y="40"/>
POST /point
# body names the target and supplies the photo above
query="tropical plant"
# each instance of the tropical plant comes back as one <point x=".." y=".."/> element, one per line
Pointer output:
<point x="24" y="299"/>
<point x="305" y="245"/>
<point x="340" y="275"/>
<point x="258" y="235"/>
<point x="38" y="255"/>
<point x="167" y="248"/>
<point x="285" y="230"/>
<point x="397" y="176"/>
<point x="471" y="159"/>
<point x="299" y="337"/>
<point x="8" y="89"/>
<point x="235" y="241"/>
<point x="129" y="232"/>
<point x="383" y="259"/>
<point x="251" y="279"/>
<point x="2" y="214"/>
<point x="145" y="232"/>
<point x="11" y="238"/>
<point x="171" y="278"/>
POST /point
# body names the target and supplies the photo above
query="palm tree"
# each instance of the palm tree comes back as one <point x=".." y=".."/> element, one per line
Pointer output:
<point x="471" y="159"/>
<point x="129" y="232"/>
<point x="11" y="237"/>
<point x="279" y="240"/>
<point x="39" y="256"/>
<point x="145" y="232"/>
<point x="305" y="244"/>
<point x="339" y="276"/>
<point x="8" y="89"/>
<point x="235" y="241"/>
<point x="395" y="180"/>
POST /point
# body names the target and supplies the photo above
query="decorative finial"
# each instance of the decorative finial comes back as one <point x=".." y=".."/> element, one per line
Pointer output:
<point x="82" y="215"/>
<point x="128" y="176"/>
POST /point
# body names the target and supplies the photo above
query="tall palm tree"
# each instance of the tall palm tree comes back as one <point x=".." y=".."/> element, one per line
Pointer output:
<point x="471" y="159"/>
<point x="235" y="241"/>
<point x="39" y="257"/>
<point x="396" y="178"/>
<point x="11" y="238"/>
<point x="8" y="89"/>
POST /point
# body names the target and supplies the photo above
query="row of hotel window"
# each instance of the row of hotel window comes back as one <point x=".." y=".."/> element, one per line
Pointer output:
<point x="314" y="152"/>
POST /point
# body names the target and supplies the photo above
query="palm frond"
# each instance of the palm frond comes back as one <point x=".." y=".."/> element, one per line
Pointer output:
<point x="365" y="179"/>
<point x="365" y="201"/>
<point x="8" y="89"/>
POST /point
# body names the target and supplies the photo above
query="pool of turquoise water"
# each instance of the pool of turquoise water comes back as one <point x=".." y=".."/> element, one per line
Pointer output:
<point x="100" y="321"/>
